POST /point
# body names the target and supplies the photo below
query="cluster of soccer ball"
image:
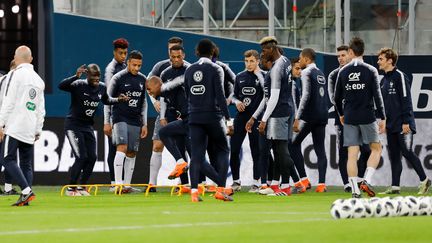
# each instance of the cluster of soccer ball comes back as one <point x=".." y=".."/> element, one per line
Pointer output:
<point x="381" y="207"/>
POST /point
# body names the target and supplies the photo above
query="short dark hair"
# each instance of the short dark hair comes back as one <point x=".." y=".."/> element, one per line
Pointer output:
<point x="309" y="53"/>
<point x="177" y="48"/>
<point x="121" y="43"/>
<point x="250" y="53"/>
<point x="342" y="48"/>
<point x="294" y="60"/>
<point x="135" y="55"/>
<point x="357" y="45"/>
<point x="205" y="48"/>
<point x="94" y="68"/>
<point x="175" y="39"/>
<point x="389" y="54"/>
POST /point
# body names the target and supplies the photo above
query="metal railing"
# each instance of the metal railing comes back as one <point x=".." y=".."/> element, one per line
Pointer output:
<point x="322" y="24"/>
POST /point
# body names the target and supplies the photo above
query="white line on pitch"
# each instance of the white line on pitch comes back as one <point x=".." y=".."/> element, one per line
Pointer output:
<point x="150" y="226"/>
<point x="164" y="212"/>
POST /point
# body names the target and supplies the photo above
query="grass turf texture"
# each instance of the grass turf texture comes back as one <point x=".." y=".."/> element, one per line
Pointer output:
<point x="164" y="218"/>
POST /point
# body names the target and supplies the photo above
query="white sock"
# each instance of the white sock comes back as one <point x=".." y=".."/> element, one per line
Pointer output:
<point x="129" y="166"/>
<point x="354" y="185"/>
<point x="360" y="179"/>
<point x="304" y="178"/>
<point x="256" y="182"/>
<point x="369" y="173"/>
<point x="194" y="190"/>
<point x="112" y="182"/>
<point x="237" y="181"/>
<point x="7" y="187"/>
<point x="395" y="187"/>
<point x="274" y="183"/>
<point x="118" y="167"/>
<point x="155" y="164"/>
<point x="181" y="160"/>
<point x="347" y="185"/>
<point x="26" y="191"/>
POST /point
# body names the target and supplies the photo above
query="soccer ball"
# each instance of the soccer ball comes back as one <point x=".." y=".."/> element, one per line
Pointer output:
<point x="358" y="208"/>
<point x="368" y="210"/>
<point x="413" y="204"/>
<point x="391" y="206"/>
<point x="341" y="209"/>
<point x="425" y="207"/>
<point x="405" y="209"/>
<point x="378" y="207"/>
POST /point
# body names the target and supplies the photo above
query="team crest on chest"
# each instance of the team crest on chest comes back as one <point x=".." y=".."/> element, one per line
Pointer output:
<point x="198" y="76"/>
<point x="32" y="93"/>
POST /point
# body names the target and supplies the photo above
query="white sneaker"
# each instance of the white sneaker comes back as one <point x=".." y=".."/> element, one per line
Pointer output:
<point x="72" y="193"/>
<point x="84" y="192"/>
<point x="254" y="189"/>
<point x="266" y="191"/>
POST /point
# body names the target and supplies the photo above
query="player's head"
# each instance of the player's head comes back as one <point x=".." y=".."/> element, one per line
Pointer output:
<point x="176" y="55"/>
<point x="387" y="59"/>
<point x="153" y="86"/>
<point x="251" y="60"/>
<point x="269" y="47"/>
<point x="342" y="55"/>
<point x="174" y="41"/>
<point x="265" y="63"/>
<point x="296" y="69"/>
<point x="23" y="54"/>
<point x="93" y="75"/>
<point x="205" y="48"/>
<point x="134" y="62"/>
<point x="120" y="49"/>
<point x="356" y="47"/>
<point x="307" y="56"/>
<point x="12" y="65"/>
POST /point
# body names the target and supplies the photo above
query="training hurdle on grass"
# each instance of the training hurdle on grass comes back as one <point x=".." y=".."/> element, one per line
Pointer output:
<point x="119" y="188"/>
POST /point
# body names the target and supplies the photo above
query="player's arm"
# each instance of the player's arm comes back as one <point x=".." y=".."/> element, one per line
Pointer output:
<point x="111" y="92"/>
<point x="260" y="75"/>
<point x="378" y="99"/>
<point x="219" y="92"/>
<point x="306" y="93"/>
<point x="331" y="86"/>
<point x="294" y="95"/>
<point x="68" y="83"/>
<point x="338" y="95"/>
<point x="239" y="104"/>
<point x="40" y="114"/>
<point x="163" y="109"/>
<point x="176" y="82"/>
<point x="9" y="100"/>
<point x="144" y="115"/>
<point x="379" y="102"/>
<point x="405" y="99"/>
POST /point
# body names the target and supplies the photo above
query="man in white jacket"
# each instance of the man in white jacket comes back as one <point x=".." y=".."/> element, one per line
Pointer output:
<point x="21" y="120"/>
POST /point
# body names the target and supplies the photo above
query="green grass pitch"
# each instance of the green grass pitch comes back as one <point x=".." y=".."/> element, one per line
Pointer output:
<point x="164" y="218"/>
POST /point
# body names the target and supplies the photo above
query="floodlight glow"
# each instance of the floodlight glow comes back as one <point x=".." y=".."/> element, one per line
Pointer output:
<point x="15" y="9"/>
<point x="1" y="13"/>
